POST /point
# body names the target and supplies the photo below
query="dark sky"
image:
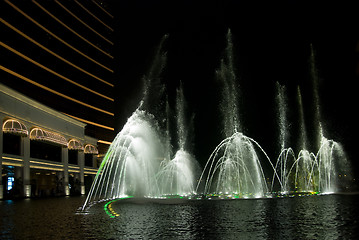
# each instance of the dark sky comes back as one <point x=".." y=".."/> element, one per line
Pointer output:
<point x="271" y="43"/>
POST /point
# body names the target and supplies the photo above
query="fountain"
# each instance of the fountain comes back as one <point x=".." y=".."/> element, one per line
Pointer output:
<point x="235" y="168"/>
<point x="138" y="162"/>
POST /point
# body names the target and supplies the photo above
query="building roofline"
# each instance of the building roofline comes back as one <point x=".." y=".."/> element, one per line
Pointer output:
<point x="20" y="97"/>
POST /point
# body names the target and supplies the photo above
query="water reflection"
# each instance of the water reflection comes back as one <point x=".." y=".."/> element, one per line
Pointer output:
<point x="314" y="217"/>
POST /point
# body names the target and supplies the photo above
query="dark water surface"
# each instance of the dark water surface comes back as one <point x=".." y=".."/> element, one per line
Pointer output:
<point x="313" y="217"/>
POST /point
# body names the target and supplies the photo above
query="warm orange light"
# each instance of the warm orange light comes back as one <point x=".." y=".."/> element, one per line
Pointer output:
<point x="44" y="135"/>
<point x="57" y="37"/>
<point x="15" y="127"/>
<point x="89" y="122"/>
<point x="102" y="8"/>
<point x="75" y="144"/>
<point x="104" y="142"/>
<point x="53" y="91"/>
<point x="90" y="149"/>
<point x="93" y="15"/>
<point x="70" y="29"/>
<point x="53" y="72"/>
<point x="78" y="19"/>
<point x="51" y="52"/>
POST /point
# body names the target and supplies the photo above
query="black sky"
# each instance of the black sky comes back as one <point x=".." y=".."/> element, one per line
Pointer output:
<point x="271" y="43"/>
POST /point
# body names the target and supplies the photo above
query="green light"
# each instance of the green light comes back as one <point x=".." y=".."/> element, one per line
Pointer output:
<point x="107" y="156"/>
<point x="109" y="210"/>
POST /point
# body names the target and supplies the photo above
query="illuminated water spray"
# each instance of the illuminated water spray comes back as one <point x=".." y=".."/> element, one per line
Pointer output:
<point x="138" y="162"/>
<point x="234" y="167"/>
<point x="178" y="175"/>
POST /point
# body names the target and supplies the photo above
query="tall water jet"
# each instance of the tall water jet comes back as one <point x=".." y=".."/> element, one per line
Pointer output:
<point x="234" y="167"/>
<point x="317" y="113"/>
<point x="281" y="99"/>
<point x="331" y="157"/>
<point x="135" y="155"/>
<point x="230" y="91"/>
<point x="178" y="176"/>
<point x="182" y="127"/>
<point x="305" y="160"/>
<point x="286" y="157"/>
<point x="153" y="95"/>
<point x="303" y="138"/>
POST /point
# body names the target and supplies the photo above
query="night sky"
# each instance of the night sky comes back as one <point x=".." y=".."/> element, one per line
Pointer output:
<point x="271" y="43"/>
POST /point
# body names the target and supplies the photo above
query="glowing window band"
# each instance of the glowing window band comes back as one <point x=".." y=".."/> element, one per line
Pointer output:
<point x="74" y="144"/>
<point x="93" y="15"/>
<point x="104" y="142"/>
<point x="51" y="52"/>
<point x="15" y="127"/>
<point x="92" y="123"/>
<point x="102" y="8"/>
<point x="45" y="163"/>
<point x="71" y="30"/>
<point x="57" y="37"/>
<point x="11" y="164"/>
<point x="53" y="72"/>
<point x="12" y="158"/>
<point x="78" y="19"/>
<point x="90" y="149"/>
<point x="53" y="91"/>
<point x="44" y="135"/>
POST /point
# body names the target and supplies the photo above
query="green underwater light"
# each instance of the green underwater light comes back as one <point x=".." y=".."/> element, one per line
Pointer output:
<point x="109" y="210"/>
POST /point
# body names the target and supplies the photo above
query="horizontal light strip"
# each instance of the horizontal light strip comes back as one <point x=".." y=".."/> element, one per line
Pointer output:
<point x="46" y="168"/>
<point x="75" y="167"/>
<point x="89" y="122"/>
<point x="53" y="91"/>
<point x="102" y="8"/>
<point x="45" y="163"/>
<point x="93" y="173"/>
<point x="53" y="72"/>
<point x="73" y="171"/>
<point x="52" y="53"/>
<point x="57" y="37"/>
<point x="93" y="15"/>
<point x="12" y="164"/>
<point x="91" y="169"/>
<point x="104" y="142"/>
<point x="71" y="30"/>
<point x="11" y="158"/>
<point x="78" y="19"/>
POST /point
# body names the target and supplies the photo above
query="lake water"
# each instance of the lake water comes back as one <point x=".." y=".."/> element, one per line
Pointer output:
<point x="311" y="217"/>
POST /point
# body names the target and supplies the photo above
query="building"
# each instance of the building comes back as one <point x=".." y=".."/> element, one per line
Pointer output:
<point x="42" y="151"/>
<point x="60" y="53"/>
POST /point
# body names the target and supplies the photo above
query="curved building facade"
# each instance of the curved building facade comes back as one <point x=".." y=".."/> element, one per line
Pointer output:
<point x="42" y="152"/>
<point x="60" y="53"/>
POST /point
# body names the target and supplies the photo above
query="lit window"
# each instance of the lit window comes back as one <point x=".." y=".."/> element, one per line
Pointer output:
<point x="10" y="183"/>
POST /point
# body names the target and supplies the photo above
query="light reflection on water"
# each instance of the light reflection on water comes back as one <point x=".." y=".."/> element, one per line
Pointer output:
<point x="314" y="217"/>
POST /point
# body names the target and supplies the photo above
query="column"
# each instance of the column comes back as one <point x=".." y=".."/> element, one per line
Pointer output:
<point x="1" y="150"/>
<point x="81" y="158"/>
<point x="26" y="167"/>
<point x="65" y="162"/>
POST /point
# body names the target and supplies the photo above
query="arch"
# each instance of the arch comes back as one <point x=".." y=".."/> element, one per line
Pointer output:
<point x="75" y="144"/>
<point x="44" y="135"/>
<point x="15" y="127"/>
<point x="91" y="149"/>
